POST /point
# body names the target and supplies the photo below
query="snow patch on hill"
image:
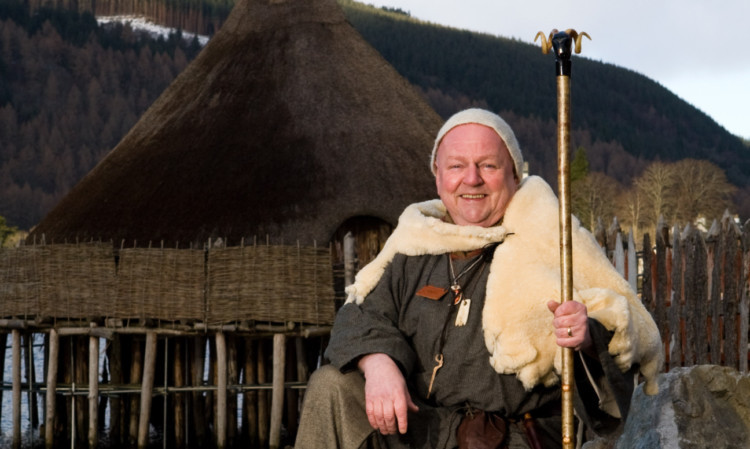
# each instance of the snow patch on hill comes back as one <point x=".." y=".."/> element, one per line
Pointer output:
<point x="141" y="23"/>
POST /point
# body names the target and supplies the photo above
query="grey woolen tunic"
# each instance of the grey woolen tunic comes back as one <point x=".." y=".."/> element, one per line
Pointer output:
<point x="394" y="319"/>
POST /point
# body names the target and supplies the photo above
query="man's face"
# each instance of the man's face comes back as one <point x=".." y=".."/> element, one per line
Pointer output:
<point x="474" y="175"/>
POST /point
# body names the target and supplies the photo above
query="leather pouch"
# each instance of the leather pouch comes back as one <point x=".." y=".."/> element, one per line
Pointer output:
<point x="480" y="430"/>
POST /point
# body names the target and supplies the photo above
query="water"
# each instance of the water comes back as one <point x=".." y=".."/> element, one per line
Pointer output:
<point x="31" y="437"/>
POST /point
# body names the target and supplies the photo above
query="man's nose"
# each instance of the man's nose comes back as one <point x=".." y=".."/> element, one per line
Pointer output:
<point x="473" y="176"/>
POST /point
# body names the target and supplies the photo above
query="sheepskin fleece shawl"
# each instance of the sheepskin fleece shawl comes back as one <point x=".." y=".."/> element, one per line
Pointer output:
<point x="524" y="275"/>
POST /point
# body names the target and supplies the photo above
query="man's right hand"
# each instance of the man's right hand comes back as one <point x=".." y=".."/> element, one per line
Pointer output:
<point x="386" y="395"/>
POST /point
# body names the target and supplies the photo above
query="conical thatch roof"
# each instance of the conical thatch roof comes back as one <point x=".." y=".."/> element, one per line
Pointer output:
<point x="287" y="124"/>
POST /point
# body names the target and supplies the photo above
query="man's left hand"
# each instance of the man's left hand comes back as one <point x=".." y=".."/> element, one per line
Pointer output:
<point x="571" y="325"/>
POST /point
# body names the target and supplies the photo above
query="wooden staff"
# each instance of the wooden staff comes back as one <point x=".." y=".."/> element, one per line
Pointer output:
<point x="561" y="42"/>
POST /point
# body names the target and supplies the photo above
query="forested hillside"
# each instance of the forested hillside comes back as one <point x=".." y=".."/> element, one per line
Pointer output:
<point x="615" y="105"/>
<point x="70" y="90"/>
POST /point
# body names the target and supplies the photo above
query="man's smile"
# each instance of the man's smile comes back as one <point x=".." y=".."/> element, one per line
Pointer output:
<point x="475" y="196"/>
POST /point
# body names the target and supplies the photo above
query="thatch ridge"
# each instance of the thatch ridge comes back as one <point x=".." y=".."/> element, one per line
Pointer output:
<point x="286" y="124"/>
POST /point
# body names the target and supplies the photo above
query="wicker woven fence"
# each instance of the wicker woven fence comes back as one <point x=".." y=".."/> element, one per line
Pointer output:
<point x="95" y="281"/>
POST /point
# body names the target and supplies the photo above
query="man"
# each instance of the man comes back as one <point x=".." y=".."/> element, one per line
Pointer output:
<point x="455" y="318"/>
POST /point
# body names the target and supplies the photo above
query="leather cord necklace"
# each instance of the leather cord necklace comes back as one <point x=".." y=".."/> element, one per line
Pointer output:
<point x="458" y="298"/>
<point x="455" y="286"/>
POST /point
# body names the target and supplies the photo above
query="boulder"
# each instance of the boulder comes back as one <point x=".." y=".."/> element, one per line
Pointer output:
<point x="697" y="407"/>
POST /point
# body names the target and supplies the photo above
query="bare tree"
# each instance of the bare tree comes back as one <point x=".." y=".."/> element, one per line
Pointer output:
<point x="701" y="189"/>
<point x="630" y="211"/>
<point x="592" y="197"/>
<point x="655" y="190"/>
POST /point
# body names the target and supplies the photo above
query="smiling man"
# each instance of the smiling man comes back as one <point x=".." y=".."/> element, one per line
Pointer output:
<point x="475" y="175"/>
<point x="451" y="336"/>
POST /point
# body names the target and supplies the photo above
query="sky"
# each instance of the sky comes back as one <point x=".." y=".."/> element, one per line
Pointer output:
<point x="695" y="48"/>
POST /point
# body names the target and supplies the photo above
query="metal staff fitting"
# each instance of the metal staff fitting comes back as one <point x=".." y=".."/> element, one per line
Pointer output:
<point x="562" y="42"/>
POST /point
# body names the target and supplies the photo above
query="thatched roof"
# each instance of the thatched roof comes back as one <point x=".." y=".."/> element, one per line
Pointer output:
<point x="286" y="124"/>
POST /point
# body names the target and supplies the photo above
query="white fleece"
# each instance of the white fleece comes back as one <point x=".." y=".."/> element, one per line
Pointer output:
<point x="524" y="275"/>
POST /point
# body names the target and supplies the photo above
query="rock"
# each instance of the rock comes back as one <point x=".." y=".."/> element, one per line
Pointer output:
<point x="696" y="407"/>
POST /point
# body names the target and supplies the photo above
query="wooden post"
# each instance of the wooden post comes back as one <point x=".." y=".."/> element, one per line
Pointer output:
<point x="618" y="255"/>
<point x="699" y="298"/>
<point x="647" y="295"/>
<point x="262" y="396"/>
<point x="250" y="405"/>
<point x="632" y="263"/>
<point x="93" y="391"/>
<point x="690" y="306"/>
<point x="211" y="394"/>
<point x="277" y="397"/>
<point x="714" y="256"/>
<point x="675" y="336"/>
<point x="302" y="369"/>
<point x="232" y="379"/>
<point x="292" y="395"/>
<point x="103" y="398"/>
<point x="221" y="391"/>
<point x="731" y="294"/>
<point x="199" y="404"/>
<point x="66" y="413"/>
<point x="350" y="259"/>
<point x="149" y="370"/>
<point x="613" y="233"/>
<point x="136" y="371"/>
<point x="31" y="379"/>
<point x="3" y="348"/>
<point x="49" y="416"/>
<point x="660" y="300"/>
<point x="165" y="395"/>
<point x="744" y="306"/>
<point x="16" y="376"/>
<point x="81" y="378"/>
<point x="116" y="424"/>
<point x="302" y="376"/>
<point x="178" y="377"/>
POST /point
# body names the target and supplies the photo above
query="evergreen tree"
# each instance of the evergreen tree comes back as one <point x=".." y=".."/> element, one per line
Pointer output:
<point x="5" y="231"/>
<point x="579" y="167"/>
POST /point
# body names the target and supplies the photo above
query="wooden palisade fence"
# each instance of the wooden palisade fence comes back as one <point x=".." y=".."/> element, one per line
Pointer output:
<point x="695" y="284"/>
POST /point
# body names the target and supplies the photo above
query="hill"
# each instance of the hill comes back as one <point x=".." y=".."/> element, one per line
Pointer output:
<point x="613" y="104"/>
<point x="56" y="124"/>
